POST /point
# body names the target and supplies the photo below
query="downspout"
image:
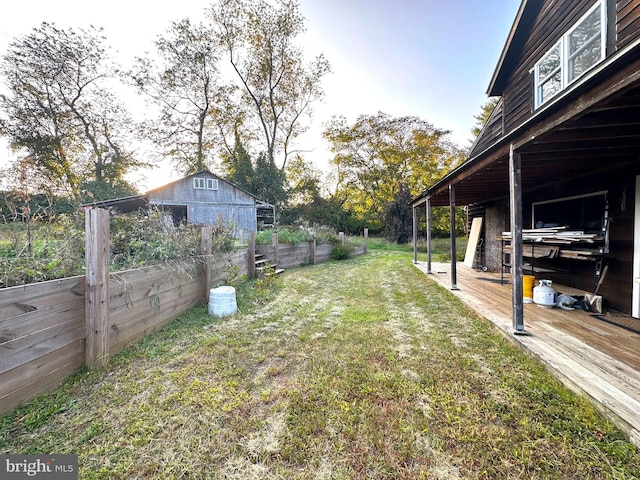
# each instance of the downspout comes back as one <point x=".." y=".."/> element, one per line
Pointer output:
<point x="452" y="235"/>
<point x="515" y="205"/>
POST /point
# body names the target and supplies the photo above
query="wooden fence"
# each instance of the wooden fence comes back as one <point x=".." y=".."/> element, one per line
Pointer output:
<point x="49" y="330"/>
<point x="287" y="255"/>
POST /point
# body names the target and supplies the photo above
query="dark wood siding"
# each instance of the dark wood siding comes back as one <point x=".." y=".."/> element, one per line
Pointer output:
<point x="493" y="129"/>
<point x="617" y="285"/>
<point x="554" y="20"/>
<point x="627" y="22"/>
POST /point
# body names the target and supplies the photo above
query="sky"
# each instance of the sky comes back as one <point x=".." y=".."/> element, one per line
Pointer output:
<point x="428" y="58"/>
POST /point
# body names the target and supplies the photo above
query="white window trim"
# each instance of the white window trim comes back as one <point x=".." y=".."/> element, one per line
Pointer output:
<point x="564" y="54"/>
<point x="212" y="184"/>
<point x="199" y="183"/>
<point x="538" y="85"/>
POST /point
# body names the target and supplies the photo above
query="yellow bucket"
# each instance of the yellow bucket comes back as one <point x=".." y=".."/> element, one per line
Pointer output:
<point x="527" y="288"/>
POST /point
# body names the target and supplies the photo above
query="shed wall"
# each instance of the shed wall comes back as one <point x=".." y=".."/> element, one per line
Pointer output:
<point x="204" y="206"/>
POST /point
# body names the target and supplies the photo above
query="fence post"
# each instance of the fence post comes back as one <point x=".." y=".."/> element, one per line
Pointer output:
<point x="251" y="255"/>
<point x="205" y="242"/>
<point x="313" y="250"/>
<point x="97" y="287"/>
<point x="366" y="240"/>
<point x="275" y="248"/>
<point x="341" y="234"/>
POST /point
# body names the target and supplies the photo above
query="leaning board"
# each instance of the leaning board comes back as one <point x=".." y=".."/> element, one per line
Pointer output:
<point x="472" y="243"/>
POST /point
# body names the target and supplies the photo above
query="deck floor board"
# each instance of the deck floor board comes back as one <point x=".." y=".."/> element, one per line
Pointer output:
<point x="589" y="355"/>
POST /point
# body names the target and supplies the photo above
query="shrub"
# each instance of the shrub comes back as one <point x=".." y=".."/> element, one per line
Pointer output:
<point x="6" y="249"/>
<point x="50" y="251"/>
<point x="340" y="253"/>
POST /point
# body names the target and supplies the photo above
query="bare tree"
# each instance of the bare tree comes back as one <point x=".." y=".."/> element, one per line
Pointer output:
<point x="276" y="85"/>
<point x="183" y="81"/>
<point x="59" y="110"/>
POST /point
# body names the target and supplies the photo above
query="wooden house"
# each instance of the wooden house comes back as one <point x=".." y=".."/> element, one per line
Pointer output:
<point x="561" y="151"/>
<point x="202" y="198"/>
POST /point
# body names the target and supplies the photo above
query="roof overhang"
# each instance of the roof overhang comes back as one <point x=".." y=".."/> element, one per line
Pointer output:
<point x="594" y="127"/>
<point x="515" y="40"/>
<point x="124" y="204"/>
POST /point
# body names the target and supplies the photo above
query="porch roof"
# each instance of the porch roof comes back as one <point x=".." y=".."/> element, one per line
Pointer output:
<point x="589" y="355"/>
<point x="591" y="128"/>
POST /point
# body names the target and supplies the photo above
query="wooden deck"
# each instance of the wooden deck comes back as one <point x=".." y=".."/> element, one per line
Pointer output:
<point x="587" y="354"/>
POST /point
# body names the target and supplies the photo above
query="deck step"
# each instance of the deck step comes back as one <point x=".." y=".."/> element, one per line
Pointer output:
<point x="265" y="267"/>
<point x="277" y="271"/>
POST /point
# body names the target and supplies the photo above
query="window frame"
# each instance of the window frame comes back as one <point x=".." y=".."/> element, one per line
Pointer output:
<point x="539" y="85"/>
<point x="565" y="58"/>
<point x="212" y="184"/>
<point x="199" y="183"/>
<point x="600" y="194"/>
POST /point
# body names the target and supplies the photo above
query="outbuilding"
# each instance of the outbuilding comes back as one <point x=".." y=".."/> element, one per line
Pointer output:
<point x="202" y="198"/>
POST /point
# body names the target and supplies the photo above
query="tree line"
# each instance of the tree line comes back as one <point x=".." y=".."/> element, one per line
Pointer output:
<point x="232" y="93"/>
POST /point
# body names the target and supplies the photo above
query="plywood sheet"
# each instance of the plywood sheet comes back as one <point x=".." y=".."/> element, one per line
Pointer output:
<point x="472" y="244"/>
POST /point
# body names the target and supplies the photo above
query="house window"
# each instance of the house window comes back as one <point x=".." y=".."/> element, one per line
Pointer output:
<point x="549" y="74"/>
<point x="584" y="45"/>
<point x="212" y="184"/>
<point x="578" y="50"/>
<point x="199" y="183"/>
<point x="581" y="212"/>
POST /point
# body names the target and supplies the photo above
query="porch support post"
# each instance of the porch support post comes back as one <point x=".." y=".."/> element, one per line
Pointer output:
<point x="428" y="211"/>
<point x="415" y="236"/>
<point x="515" y="200"/>
<point x="452" y="235"/>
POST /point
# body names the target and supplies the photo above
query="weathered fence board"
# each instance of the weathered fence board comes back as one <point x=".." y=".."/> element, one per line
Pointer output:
<point x="26" y="298"/>
<point x="38" y="319"/>
<point x="323" y="253"/>
<point x="119" y="340"/>
<point x="127" y="288"/>
<point x="42" y="328"/>
<point x="39" y="375"/>
<point x="28" y="347"/>
<point x="127" y="326"/>
<point x="97" y="287"/>
<point x="290" y="255"/>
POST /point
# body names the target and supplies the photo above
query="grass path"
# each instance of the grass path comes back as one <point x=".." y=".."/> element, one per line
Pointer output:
<point x="360" y="369"/>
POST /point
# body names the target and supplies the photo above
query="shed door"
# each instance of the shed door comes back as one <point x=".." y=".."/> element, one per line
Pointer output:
<point x="636" y="253"/>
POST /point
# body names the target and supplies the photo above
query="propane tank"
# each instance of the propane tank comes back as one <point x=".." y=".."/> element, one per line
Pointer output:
<point x="545" y="295"/>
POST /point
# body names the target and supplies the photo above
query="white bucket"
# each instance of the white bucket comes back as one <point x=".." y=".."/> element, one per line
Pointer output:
<point x="222" y="302"/>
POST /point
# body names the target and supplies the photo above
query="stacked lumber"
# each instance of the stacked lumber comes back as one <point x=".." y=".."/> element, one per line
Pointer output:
<point x="555" y="235"/>
<point x="579" y="254"/>
<point x="538" y="251"/>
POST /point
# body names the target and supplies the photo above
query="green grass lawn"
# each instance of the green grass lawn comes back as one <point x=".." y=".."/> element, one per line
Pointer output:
<point x="358" y="369"/>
